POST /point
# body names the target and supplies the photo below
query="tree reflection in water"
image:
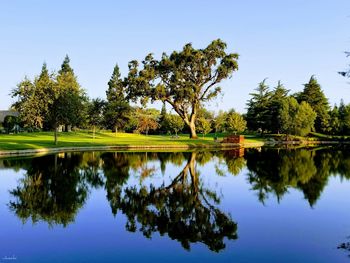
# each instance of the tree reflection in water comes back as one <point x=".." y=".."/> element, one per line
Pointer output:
<point x="52" y="190"/>
<point x="55" y="187"/>
<point x="276" y="171"/>
<point x="183" y="210"/>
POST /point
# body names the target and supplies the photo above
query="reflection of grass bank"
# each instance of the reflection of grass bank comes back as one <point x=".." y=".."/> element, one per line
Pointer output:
<point x="42" y="140"/>
<point x="77" y="140"/>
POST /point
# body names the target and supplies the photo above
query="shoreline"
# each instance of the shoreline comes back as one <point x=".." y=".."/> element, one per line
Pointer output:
<point x="167" y="148"/>
<point x="163" y="148"/>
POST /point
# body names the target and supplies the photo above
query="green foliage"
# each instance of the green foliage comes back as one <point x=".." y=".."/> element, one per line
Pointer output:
<point x="297" y="119"/>
<point x="10" y="123"/>
<point x="314" y="96"/>
<point x="344" y="118"/>
<point x="95" y="111"/>
<point x="51" y="99"/>
<point x="117" y="110"/>
<point x="220" y="121"/>
<point x="203" y="126"/>
<point x="334" y="121"/>
<point x="258" y="112"/>
<point x="174" y="123"/>
<point x="235" y="122"/>
<point x="185" y="79"/>
<point x="276" y="100"/>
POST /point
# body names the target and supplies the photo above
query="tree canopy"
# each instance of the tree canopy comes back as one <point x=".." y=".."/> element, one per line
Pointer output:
<point x="184" y="79"/>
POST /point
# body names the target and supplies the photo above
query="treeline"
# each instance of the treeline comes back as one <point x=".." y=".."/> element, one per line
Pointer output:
<point x="184" y="80"/>
<point x="276" y="111"/>
<point x="56" y="100"/>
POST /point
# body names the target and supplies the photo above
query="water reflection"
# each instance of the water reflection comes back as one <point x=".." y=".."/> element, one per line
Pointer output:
<point x="275" y="171"/>
<point x="184" y="207"/>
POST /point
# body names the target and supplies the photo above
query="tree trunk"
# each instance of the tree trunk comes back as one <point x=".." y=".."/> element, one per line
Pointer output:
<point x="116" y="131"/>
<point x="194" y="176"/>
<point x="193" y="134"/>
<point x="93" y="132"/>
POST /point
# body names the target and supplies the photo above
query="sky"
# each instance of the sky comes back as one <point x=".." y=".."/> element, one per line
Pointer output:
<point x="287" y="40"/>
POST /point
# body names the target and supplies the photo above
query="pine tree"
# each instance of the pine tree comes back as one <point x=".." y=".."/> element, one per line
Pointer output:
<point x="277" y="96"/>
<point x="314" y="96"/>
<point x="258" y="113"/>
<point x="163" y="120"/>
<point x="117" y="109"/>
<point x="334" y="121"/>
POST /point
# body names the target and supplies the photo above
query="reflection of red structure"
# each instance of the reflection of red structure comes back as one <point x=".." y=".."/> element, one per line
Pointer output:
<point x="234" y="153"/>
<point x="233" y="139"/>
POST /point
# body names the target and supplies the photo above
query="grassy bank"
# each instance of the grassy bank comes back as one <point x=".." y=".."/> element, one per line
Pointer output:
<point x="25" y="141"/>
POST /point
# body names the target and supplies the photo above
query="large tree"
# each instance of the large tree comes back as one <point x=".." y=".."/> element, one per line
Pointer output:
<point x="185" y="79"/>
<point x="278" y="95"/>
<point x="314" y="95"/>
<point x="117" y="110"/>
<point x="297" y="119"/>
<point x="33" y="98"/>
<point x="259" y="112"/>
<point x="51" y="99"/>
<point x="71" y="100"/>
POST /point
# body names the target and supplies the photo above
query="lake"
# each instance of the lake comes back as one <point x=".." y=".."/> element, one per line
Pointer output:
<point x="239" y="205"/>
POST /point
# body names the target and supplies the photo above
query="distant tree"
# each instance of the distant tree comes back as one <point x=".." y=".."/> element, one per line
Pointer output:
<point x="334" y="122"/>
<point x="314" y="96"/>
<point x="235" y="122"/>
<point x="10" y="123"/>
<point x="344" y="117"/>
<point x="95" y="113"/>
<point x="33" y="98"/>
<point x="147" y="121"/>
<point x="117" y="110"/>
<point x="72" y="100"/>
<point x="258" y="112"/>
<point x="67" y="100"/>
<point x="175" y="123"/>
<point x="296" y="119"/>
<point x="185" y="79"/>
<point x="203" y="126"/>
<point x="163" y="122"/>
<point x="220" y="121"/>
<point x="276" y="100"/>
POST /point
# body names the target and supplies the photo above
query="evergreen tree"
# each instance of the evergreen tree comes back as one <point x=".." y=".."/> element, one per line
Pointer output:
<point x="276" y="100"/>
<point x="314" y="96"/>
<point x="117" y="111"/>
<point x="163" y="123"/>
<point x="258" y="112"/>
<point x="334" y="122"/>
<point x="71" y="103"/>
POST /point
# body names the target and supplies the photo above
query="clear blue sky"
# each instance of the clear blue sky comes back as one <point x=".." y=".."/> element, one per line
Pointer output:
<point x="285" y="40"/>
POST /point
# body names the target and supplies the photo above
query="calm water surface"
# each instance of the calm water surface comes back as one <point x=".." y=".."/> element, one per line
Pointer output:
<point x="253" y="205"/>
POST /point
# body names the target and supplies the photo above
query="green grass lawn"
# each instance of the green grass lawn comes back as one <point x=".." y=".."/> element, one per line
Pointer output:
<point x="83" y="139"/>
